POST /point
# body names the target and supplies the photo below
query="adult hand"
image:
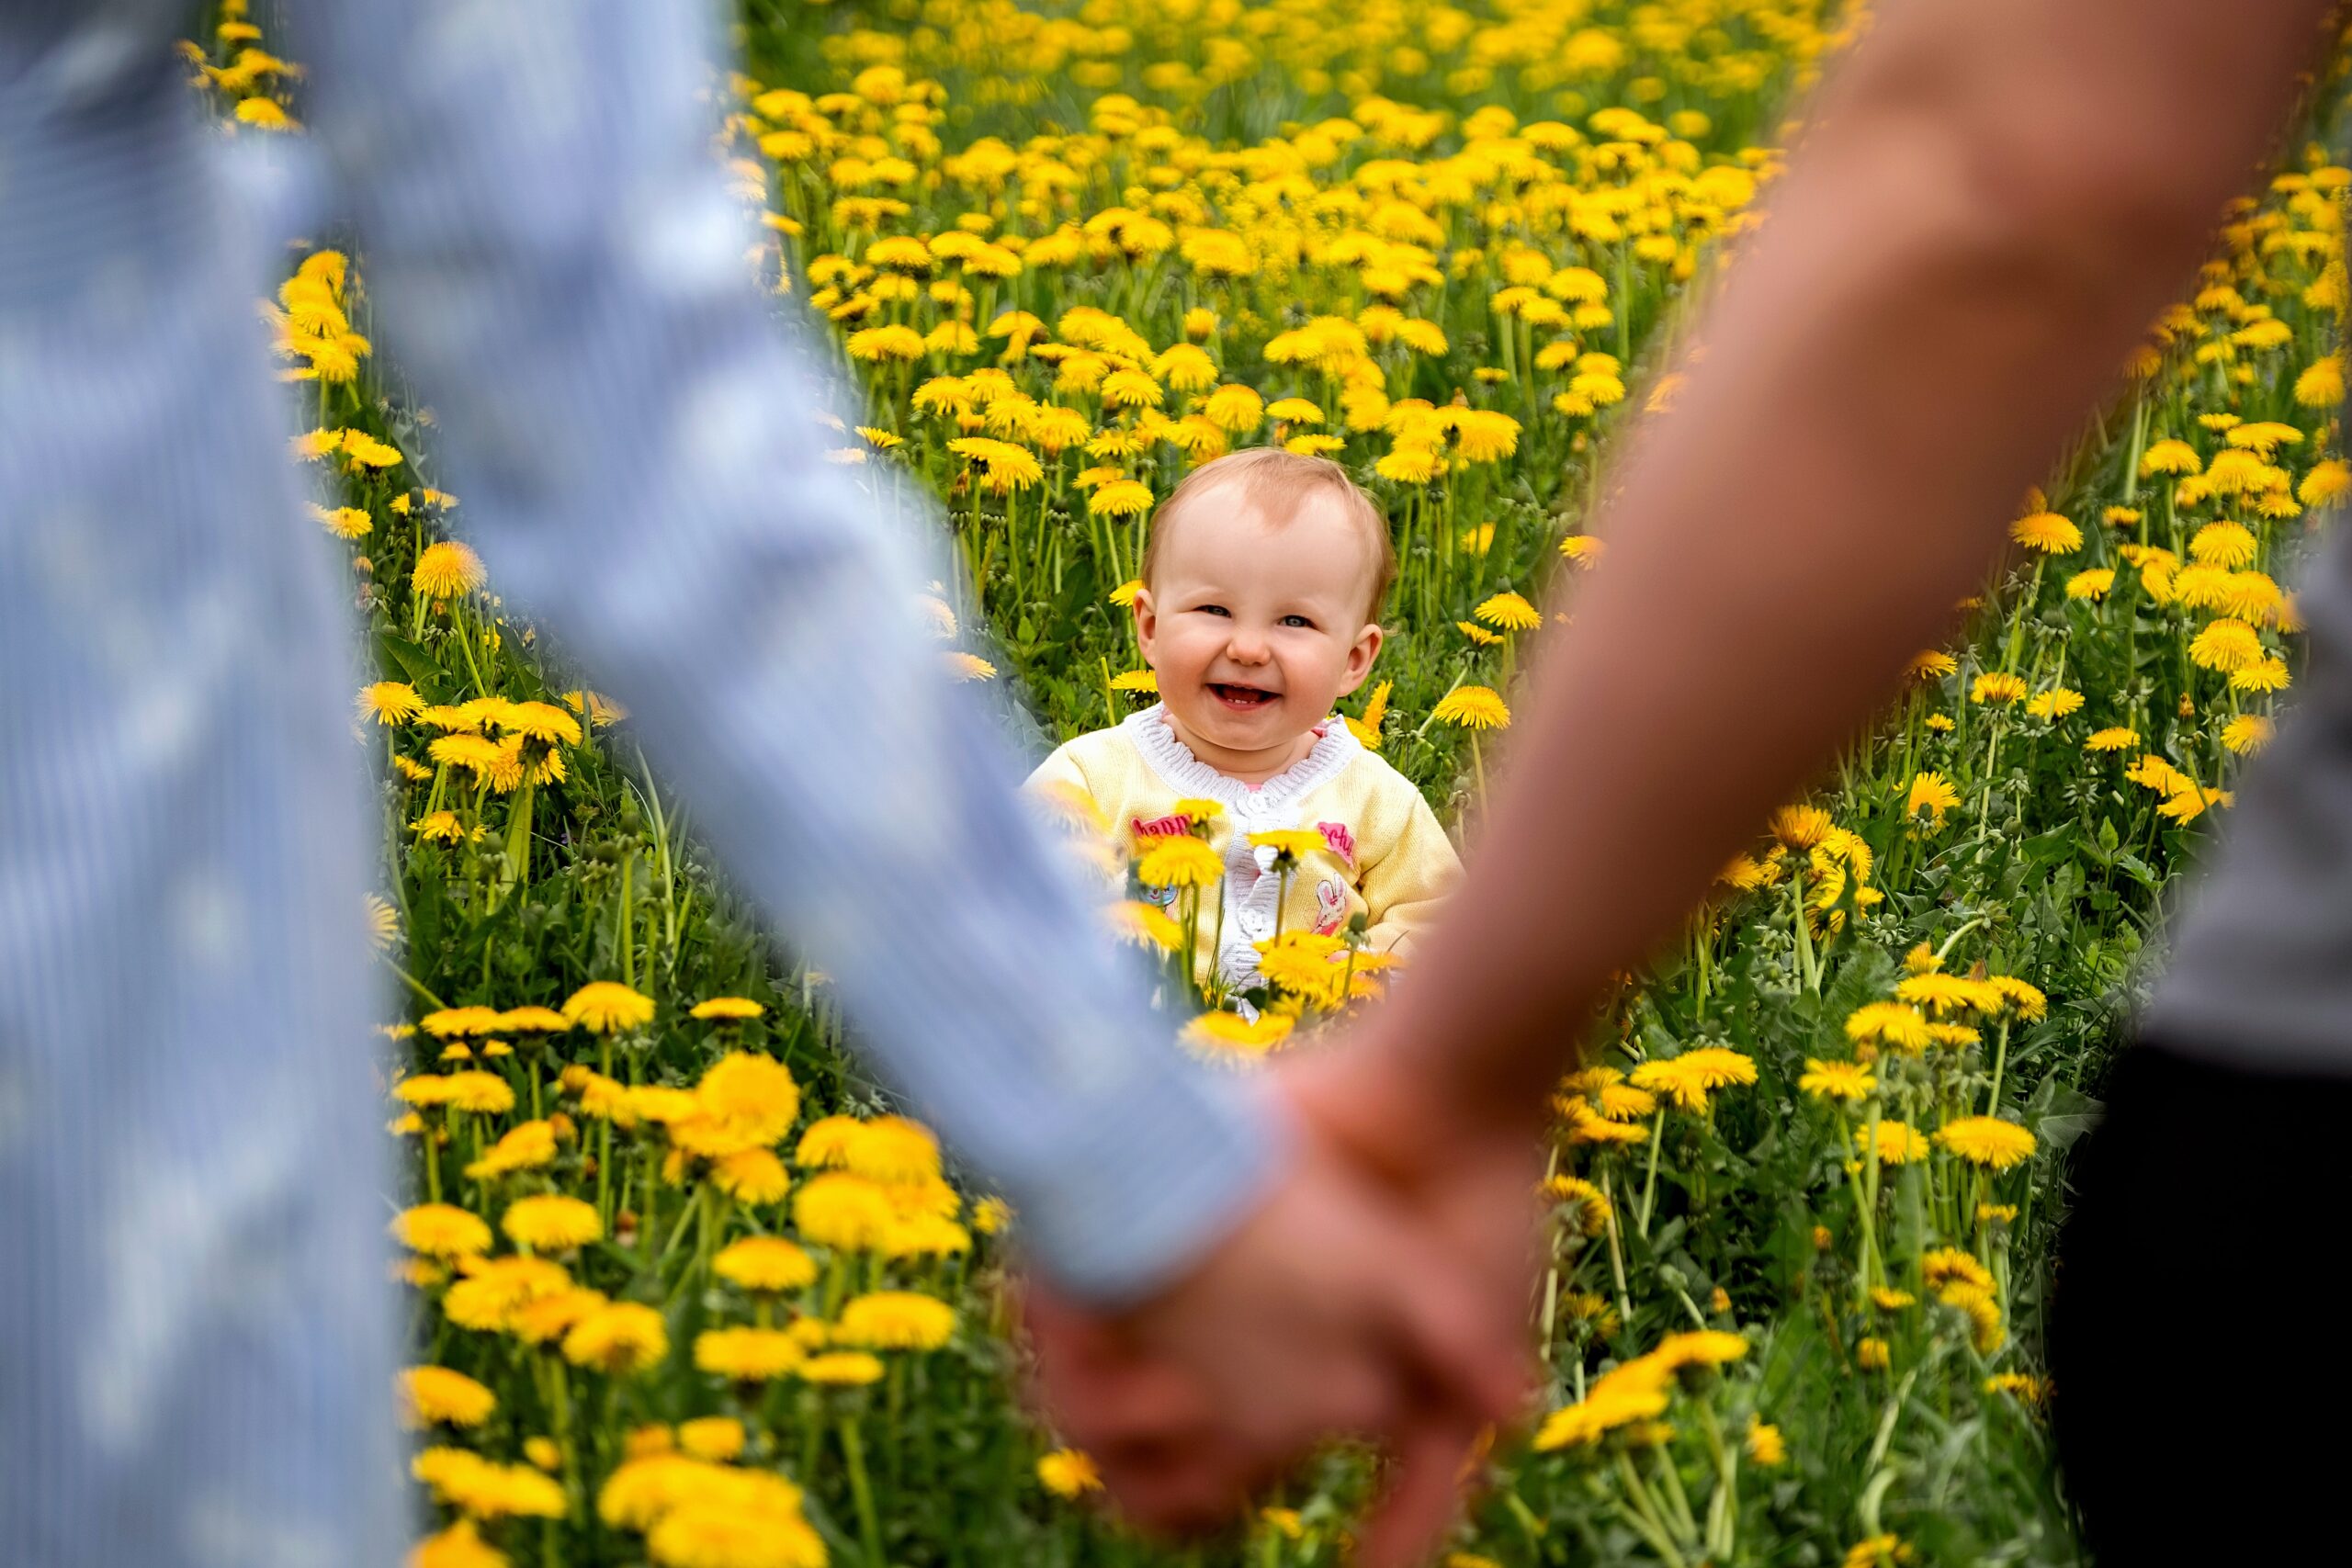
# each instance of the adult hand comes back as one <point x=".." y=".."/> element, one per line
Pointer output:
<point x="1336" y="1309"/>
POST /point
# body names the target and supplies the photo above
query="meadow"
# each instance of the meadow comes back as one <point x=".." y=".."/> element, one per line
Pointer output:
<point x="682" y="1286"/>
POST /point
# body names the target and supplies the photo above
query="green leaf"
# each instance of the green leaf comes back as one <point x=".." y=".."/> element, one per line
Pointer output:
<point x="394" y="652"/>
<point x="2059" y="1113"/>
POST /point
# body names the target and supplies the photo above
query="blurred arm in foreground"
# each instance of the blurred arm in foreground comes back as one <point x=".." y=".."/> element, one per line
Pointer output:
<point x="555" y="261"/>
<point x="1997" y="197"/>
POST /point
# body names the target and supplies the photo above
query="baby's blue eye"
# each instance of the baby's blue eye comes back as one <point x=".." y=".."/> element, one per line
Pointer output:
<point x="1214" y="610"/>
<point x="1296" y="621"/>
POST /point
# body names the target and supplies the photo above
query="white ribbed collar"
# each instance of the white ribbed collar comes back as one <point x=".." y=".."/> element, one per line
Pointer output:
<point x="1188" y="775"/>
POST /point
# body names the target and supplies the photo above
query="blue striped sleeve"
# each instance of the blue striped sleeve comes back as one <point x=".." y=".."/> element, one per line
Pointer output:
<point x="556" y="261"/>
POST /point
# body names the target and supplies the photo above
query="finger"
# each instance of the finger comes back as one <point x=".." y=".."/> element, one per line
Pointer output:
<point x="1175" y="1488"/>
<point x="1134" y="1402"/>
<point x="1469" y="1347"/>
<point x="1414" y="1513"/>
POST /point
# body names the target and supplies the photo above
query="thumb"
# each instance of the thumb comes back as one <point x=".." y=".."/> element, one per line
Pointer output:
<point x="1413" y="1515"/>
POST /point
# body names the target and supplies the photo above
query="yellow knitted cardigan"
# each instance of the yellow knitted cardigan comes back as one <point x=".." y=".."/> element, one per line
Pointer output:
<point x="1385" y="856"/>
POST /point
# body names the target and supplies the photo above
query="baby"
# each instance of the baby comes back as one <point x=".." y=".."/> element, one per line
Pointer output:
<point x="1261" y="582"/>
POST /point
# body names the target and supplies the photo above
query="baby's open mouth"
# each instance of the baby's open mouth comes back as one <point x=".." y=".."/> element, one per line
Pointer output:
<point x="1243" y="698"/>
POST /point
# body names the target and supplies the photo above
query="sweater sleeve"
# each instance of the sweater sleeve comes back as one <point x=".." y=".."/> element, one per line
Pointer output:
<point x="1404" y="887"/>
<point x="1058" y="774"/>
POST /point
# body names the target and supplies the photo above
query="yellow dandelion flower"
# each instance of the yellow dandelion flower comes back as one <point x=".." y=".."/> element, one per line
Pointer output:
<point x="551" y="1222"/>
<point x="1899" y="1143"/>
<point x="525" y="1147"/>
<point x="442" y="1231"/>
<point x="1511" y="612"/>
<point x="1996" y="686"/>
<point x="1290" y="843"/>
<point x="1180" y="860"/>
<point x="1697" y="1348"/>
<point x="2023" y="1387"/>
<point x="343" y="521"/>
<point x="1227" y="1032"/>
<point x="2047" y="531"/>
<point x="1879" y="1550"/>
<point x="1932" y="795"/>
<point x="2268" y="674"/>
<point x="748" y="1355"/>
<point x="1589" y="1208"/>
<point x="607" y="1006"/>
<point x="893" y="1150"/>
<point x="895" y="1320"/>
<point x="618" y="1338"/>
<point x="1066" y="1472"/>
<point x="846" y="1213"/>
<point x="483" y="1489"/>
<point x="431" y="1396"/>
<point x="1584" y="550"/>
<point x="752" y="1097"/>
<point x="446" y="570"/>
<point x="841" y="1369"/>
<point x="1838" y="1081"/>
<point x="1146" y="925"/>
<point x="1988" y="1141"/>
<point x="1120" y="498"/>
<point x="718" y="1438"/>
<point x="1472" y="707"/>
<point x="1942" y="994"/>
<point x="2247" y="733"/>
<point x="1893" y="1025"/>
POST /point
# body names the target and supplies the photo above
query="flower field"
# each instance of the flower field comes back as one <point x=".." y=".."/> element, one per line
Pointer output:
<point x="683" y="1288"/>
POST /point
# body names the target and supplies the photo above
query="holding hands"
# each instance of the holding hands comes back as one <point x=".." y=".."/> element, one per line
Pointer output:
<point x="1380" y="1292"/>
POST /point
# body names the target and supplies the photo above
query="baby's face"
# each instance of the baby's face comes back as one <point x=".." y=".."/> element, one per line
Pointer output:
<point x="1256" y="628"/>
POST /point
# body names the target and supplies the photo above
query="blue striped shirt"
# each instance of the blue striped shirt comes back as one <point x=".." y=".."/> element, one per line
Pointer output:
<point x="195" y="1334"/>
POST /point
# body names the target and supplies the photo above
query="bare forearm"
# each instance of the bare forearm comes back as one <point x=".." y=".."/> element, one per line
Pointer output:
<point x="1949" y="276"/>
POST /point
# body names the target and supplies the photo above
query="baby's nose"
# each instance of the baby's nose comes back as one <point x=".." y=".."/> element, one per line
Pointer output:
<point x="1246" y="647"/>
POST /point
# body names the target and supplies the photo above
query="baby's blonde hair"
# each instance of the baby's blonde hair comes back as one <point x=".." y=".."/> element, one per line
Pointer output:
<point x="1278" y="482"/>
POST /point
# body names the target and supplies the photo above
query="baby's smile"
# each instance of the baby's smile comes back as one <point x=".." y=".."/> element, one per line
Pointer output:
<point x="1241" y="698"/>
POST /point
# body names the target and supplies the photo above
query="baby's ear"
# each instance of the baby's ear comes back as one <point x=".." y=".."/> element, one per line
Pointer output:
<point x="1365" y="649"/>
<point x="1147" y="619"/>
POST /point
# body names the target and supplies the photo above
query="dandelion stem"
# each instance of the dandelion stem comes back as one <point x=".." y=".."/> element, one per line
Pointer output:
<point x="1616" y="1253"/>
<point x="1867" y="1194"/>
<point x="1952" y="940"/>
<point x="1649" y="1182"/>
<point x="1807" y="976"/>
<point x="869" y="1525"/>
<point x="1651" y="1525"/>
<point x="1672" y="1486"/>
<point x="415" y="985"/>
<point x="1722" y="1519"/>
<point x="2000" y="1060"/>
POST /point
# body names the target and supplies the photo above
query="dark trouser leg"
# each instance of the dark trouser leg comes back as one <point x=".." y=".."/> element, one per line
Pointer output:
<point x="2196" y="1332"/>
